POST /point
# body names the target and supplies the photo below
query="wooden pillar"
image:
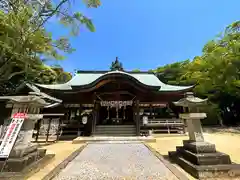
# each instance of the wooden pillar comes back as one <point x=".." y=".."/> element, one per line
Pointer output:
<point x="94" y="119"/>
<point x="134" y="113"/>
<point x="151" y="111"/>
<point x="97" y="113"/>
<point x="95" y="116"/>
<point x="137" y="118"/>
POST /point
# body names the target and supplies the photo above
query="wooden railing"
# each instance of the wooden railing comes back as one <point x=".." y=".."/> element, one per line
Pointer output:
<point x="165" y="125"/>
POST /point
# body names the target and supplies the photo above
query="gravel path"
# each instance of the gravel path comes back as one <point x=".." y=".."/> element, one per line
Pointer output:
<point x="116" y="161"/>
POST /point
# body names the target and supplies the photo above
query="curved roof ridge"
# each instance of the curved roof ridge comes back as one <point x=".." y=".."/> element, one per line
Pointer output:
<point x="88" y="78"/>
<point x="82" y="79"/>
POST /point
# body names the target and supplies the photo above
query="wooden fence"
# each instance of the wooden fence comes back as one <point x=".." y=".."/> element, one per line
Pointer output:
<point x="48" y="129"/>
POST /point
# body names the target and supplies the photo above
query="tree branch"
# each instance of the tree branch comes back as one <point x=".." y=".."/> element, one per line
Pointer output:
<point x="51" y="14"/>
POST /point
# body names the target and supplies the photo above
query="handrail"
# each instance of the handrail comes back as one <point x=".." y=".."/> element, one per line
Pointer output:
<point x="165" y="121"/>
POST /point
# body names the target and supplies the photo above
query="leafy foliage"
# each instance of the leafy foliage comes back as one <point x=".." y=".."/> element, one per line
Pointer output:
<point x="25" y="44"/>
<point x="216" y="74"/>
<point x="136" y="70"/>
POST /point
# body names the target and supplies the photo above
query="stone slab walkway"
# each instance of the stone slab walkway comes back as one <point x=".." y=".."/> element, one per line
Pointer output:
<point x="116" y="161"/>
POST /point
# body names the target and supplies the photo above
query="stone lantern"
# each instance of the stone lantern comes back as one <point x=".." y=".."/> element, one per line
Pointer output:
<point x="24" y="153"/>
<point x="196" y="156"/>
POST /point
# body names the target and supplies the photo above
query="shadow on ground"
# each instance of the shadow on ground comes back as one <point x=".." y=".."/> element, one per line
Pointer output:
<point x="222" y="130"/>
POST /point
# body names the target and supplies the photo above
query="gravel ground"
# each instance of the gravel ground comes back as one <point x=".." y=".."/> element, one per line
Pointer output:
<point x="116" y="161"/>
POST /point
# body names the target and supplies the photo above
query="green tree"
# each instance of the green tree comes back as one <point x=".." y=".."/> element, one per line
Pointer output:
<point x="216" y="74"/>
<point x="116" y="65"/>
<point x="136" y="70"/>
<point x="25" y="44"/>
<point x="171" y="73"/>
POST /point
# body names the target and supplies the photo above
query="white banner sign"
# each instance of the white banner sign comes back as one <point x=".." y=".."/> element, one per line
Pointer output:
<point x="11" y="134"/>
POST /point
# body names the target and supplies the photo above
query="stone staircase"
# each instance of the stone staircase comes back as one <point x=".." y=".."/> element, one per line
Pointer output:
<point x="115" y="130"/>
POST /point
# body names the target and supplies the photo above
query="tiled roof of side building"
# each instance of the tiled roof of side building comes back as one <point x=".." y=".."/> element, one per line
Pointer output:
<point x="87" y="77"/>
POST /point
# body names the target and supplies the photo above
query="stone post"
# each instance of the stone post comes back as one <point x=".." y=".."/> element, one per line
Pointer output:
<point x="196" y="156"/>
<point x="24" y="153"/>
<point x="29" y="105"/>
<point x="194" y="126"/>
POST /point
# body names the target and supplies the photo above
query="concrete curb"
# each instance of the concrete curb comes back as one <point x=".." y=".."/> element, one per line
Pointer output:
<point x="63" y="164"/>
<point x="172" y="168"/>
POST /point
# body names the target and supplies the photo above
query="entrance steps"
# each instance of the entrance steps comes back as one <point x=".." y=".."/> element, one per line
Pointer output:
<point x="115" y="130"/>
<point x="109" y="139"/>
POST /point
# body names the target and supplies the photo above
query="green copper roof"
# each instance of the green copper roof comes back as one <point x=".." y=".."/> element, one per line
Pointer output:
<point x="85" y="78"/>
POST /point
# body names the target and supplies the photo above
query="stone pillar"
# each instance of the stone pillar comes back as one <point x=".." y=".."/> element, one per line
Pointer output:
<point x="196" y="140"/>
<point x="195" y="130"/>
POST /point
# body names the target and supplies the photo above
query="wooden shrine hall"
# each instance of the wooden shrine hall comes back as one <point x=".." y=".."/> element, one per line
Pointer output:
<point x="112" y="102"/>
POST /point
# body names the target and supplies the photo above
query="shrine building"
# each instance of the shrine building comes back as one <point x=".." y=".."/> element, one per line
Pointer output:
<point x="111" y="103"/>
<point x="111" y="99"/>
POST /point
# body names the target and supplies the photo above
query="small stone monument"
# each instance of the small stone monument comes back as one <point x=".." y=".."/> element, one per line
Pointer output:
<point x="24" y="153"/>
<point x="196" y="156"/>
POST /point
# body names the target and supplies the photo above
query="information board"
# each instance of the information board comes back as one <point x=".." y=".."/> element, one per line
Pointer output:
<point x="11" y="134"/>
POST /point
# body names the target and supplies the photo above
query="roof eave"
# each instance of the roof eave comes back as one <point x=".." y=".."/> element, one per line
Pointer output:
<point x="187" y="88"/>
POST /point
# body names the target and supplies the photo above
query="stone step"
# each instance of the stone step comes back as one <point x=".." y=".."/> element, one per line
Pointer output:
<point x="115" y="126"/>
<point x="131" y="127"/>
<point x="223" y="171"/>
<point x="116" y="132"/>
<point x="204" y="158"/>
<point x="67" y="137"/>
<point x="69" y="132"/>
<point x="110" y="129"/>
<point x="115" y="135"/>
<point x="116" y="129"/>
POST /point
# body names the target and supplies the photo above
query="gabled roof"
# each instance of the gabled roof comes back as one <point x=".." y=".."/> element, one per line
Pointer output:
<point x="84" y="78"/>
<point x="34" y="96"/>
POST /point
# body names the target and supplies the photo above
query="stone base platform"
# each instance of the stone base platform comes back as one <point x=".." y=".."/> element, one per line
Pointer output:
<point x="202" y="161"/>
<point x="79" y="140"/>
<point x="22" y="167"/>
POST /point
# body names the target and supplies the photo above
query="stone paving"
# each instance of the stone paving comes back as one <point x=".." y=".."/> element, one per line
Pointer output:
<point x="116" y="161"/>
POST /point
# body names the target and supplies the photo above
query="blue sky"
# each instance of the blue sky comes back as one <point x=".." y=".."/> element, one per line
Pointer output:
<point x="145" y="34"/>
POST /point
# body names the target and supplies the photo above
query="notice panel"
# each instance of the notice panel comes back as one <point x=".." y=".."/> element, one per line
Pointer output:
<point x="11" y="134"/>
